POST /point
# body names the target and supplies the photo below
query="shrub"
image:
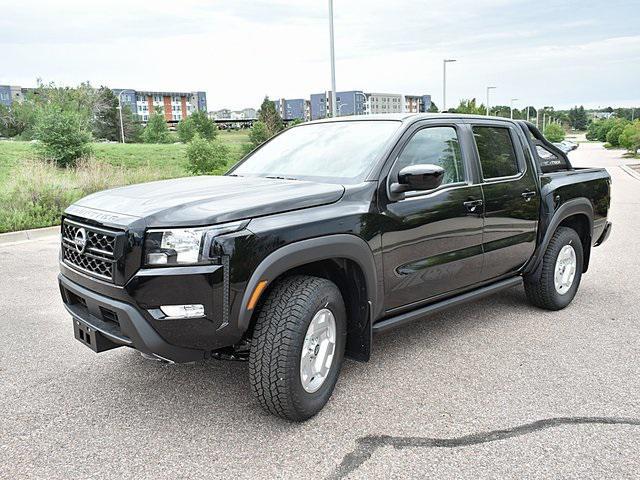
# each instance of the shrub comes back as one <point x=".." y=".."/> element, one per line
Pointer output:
<point x="630" y="137"/>
<point x="554" y="133"/>
<point x="63" y="135"/>
<point x="199" y="123"/>
<point x="186" y="130"/>
<point x="259" y="134"/>
<point x="156" y="130"/>
<point x="613" y="135"/>
<point x="206" y="156"/>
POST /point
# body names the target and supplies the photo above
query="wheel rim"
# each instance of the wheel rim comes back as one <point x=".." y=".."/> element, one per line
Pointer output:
<point x="565" y="270"/>
<point x="318" y="350"/>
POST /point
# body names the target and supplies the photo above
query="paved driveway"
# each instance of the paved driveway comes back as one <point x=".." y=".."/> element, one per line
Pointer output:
<point x="495" y="389"/>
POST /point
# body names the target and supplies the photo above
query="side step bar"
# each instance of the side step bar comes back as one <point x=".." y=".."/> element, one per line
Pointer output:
<point x="420" y="313"/>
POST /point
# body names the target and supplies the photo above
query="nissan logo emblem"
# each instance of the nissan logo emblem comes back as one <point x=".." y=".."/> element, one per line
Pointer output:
<point x="80" y="240"/>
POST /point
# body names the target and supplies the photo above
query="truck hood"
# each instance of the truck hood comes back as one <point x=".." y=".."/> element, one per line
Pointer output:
<point x="205" y="200"/>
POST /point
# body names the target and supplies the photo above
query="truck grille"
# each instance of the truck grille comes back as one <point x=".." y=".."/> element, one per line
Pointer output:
<point x="89" y="249"/>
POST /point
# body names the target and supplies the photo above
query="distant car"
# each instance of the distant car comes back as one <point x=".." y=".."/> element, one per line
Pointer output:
<point x="569" y="144"/>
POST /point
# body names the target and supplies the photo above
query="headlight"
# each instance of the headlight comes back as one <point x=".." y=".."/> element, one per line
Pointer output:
<point x="184" y="246"/>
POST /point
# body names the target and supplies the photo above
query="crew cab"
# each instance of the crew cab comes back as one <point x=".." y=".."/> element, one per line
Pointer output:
<point x="326" y="234"/>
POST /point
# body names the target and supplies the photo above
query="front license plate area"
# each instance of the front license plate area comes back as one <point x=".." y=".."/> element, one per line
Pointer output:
<point x="92" y="338"/>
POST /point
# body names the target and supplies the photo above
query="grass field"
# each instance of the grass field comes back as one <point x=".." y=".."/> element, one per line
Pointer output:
<point x="34" y="193"/>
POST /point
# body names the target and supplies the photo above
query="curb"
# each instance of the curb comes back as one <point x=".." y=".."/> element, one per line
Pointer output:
<point x="634" y="173"/>
<point x="27" y="235"/>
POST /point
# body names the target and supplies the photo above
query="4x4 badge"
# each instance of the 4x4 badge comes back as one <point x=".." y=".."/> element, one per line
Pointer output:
<point x="80" y="240"/>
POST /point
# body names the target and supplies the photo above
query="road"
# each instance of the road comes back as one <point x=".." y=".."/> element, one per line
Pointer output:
<point x="470" y="393"/>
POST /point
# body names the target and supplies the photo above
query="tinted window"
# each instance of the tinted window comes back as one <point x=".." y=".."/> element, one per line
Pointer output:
<point x="341" y="152"/>
<point x="497" y="155"/>
<point x="436" y="146"/>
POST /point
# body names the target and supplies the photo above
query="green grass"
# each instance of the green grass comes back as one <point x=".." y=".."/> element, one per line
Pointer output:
<point x="33" y="193"/>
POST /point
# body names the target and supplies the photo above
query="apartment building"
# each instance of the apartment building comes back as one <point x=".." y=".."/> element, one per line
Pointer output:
<point x="175" y="105"/>
<point x="292" y="109"/>
<point x="11" y="93"/>
<point x="417" y="103"/>
<point x="351" y="102"/>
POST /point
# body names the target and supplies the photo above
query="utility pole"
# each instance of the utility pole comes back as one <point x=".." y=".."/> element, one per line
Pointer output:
<point x="334" y="107"/>
<point x="488" y="89"/>
<point x="444" y="82"/>
<point x="528" y="107"/>
<point x="120" y="109"/>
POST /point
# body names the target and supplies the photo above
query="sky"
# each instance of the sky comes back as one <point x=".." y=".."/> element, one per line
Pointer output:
<point x="558" y="53"/>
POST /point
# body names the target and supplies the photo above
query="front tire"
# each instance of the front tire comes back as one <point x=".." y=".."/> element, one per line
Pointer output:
<point x="297" y="347"/>
<point x="561" y="272"/>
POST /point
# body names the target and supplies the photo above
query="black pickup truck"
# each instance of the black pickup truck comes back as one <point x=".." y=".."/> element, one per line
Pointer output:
<point x="326" y="234"/>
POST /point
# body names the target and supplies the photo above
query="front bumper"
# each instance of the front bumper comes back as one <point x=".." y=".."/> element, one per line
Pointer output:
<point x="122" y="315"/>
<point x="92" y="312"/>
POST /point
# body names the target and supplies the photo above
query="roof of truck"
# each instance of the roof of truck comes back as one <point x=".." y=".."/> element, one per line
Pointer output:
<point x="409" y="116"/>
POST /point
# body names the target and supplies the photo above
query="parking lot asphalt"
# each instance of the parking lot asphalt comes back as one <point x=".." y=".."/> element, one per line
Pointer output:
<point x="492" y="389"/>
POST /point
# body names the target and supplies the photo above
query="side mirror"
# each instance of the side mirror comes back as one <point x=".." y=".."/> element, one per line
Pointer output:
<point x="418" y="177"/>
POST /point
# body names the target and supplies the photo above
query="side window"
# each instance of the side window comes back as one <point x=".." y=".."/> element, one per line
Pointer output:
<point x="497" y="155"/>
<point x="436" y="146"/>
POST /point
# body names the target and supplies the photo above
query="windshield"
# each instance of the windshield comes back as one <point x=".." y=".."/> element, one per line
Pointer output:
<point x="342" y="152"/>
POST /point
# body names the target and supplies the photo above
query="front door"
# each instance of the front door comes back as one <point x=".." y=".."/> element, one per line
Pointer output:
<point x="432" y="240"/>
<point x="511" y="199"/>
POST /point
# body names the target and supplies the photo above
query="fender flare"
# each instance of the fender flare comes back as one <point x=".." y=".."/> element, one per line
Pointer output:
<point x="307" y="251"/>
<point x="576" y="206"/>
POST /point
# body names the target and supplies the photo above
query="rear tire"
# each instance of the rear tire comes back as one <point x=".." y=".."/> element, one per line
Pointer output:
<point x="561" y="272"/>
<point x="292" y="335"/>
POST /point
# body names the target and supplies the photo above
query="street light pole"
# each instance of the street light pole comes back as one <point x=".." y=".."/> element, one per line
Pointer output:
<point x="511" y="106"/>
<point x="444" y="82"/>
<point x="528" y="107"/>
<point x="334" y="108"/>
<point x="489" y="89"/>
<point x="121" y="123"/>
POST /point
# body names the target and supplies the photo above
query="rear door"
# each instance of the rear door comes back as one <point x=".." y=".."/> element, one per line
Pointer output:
<point x="512" y="202"/>
<point x="432" y="240"/>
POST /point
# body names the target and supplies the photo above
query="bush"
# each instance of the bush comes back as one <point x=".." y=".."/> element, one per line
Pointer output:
<point x="63" y="135"/>
<point x="199" y="123"/>
<point x="206" y="156"/>
<point x="156" y="130"/>
<point x="630" y="137"/>
<point x="613" y="135"/>
<point x="554" y="133"/>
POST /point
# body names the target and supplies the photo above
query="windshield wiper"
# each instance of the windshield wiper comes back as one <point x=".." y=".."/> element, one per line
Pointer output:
<point x="276" y="177"/>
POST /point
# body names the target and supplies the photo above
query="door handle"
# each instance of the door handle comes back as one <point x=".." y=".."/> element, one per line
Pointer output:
<point x="528" y="195"/>
<point x="472" y="205"/>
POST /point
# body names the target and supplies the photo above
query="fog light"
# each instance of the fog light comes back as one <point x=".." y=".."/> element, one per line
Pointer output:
<point x="183" y="311"/>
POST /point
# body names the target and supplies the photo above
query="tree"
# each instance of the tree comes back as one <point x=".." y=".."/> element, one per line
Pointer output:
<point x="259" y="134"/>
<point x="433" y="108"/>
<point x="197" y="122"/>
<point x="64" y="135"/>
<point x="630" y="137"/>
<point x="106" y="118"/>
<point x="577" y="118"/>
<point x="156" y="130"/>
<point x="270" y="117"/>
<point x="469" y="106"/>
<point x="613" y="135"/>
<point x="554" y="133"/>
<point x="206" y="156"/>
